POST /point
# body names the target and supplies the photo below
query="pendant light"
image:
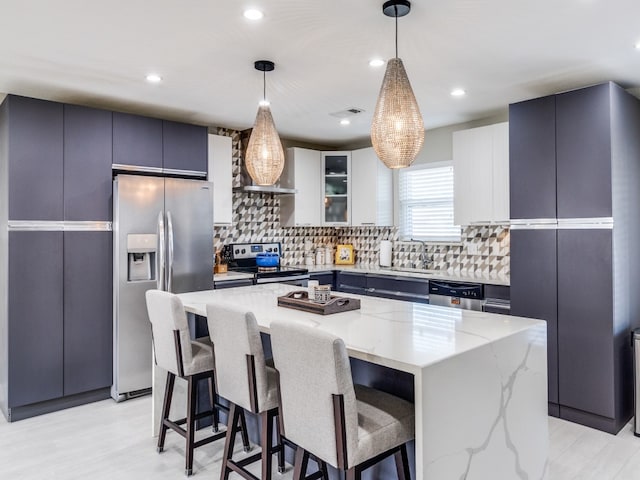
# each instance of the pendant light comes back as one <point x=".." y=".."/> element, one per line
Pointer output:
<point x="397" y="130"/>
<point x="264" y="157"/>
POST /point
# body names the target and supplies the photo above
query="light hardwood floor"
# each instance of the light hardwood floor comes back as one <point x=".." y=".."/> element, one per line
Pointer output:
<point x="105" y="440"/>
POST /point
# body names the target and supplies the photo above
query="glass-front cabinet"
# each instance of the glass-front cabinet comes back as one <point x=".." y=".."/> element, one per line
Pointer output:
<point x="336" y="180"/>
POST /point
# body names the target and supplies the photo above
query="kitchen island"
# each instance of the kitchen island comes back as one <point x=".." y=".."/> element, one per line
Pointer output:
<point x="480" y="381"/>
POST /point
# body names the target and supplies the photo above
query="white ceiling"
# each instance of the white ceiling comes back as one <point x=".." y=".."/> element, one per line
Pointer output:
<point x="500" y="51"/>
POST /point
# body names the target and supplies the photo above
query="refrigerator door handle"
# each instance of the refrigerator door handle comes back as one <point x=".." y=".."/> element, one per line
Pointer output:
<point x="160" y="260"/>
<point x="169" y="252"/>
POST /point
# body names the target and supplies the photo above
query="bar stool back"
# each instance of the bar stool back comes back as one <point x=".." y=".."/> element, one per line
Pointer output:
<point x="350" y="427"/>
<point x="246" y="381"/>
<point x="180" y="356"/>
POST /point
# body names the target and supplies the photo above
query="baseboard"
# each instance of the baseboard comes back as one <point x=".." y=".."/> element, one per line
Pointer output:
<point x="35" y="409"/>
<point x="604" y="424"/>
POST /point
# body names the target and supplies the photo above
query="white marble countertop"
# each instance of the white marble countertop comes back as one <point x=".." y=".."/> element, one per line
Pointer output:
<point x="403" y="335"/>
<point x="228" y="276"/>
<point x="409" y="272"/>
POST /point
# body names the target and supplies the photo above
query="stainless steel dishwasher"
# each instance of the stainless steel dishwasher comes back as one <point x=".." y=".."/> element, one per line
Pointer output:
<point x="468" y="296"/>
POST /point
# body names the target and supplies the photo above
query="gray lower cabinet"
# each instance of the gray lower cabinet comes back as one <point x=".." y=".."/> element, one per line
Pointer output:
<point x="326" y="278"/>
<point x="534" y="292"/>
<point x="398" y="288"/>
<point x="585" y="309"/>
<point x="35" y="307"/>
<point x="88" y="306"/>
<point x="245" y="282"/>
<point x="350" y="282"/>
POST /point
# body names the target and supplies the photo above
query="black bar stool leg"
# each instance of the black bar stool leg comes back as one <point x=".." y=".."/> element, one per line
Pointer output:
<point x="191" y="421"/>
<point x="166" y="406"/>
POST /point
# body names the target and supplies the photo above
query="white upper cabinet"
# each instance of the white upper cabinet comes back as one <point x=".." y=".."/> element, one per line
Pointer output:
<point x="221" y="175"/>
<point x="336" y="188"/>
<point x="302" y="171"/>
<point x="371" y="190"/>
<point x="481" y="175"/>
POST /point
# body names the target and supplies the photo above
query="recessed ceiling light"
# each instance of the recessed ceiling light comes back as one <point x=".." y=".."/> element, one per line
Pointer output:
<point x="253" y="14"/>
<point x="154" y="78"/>
<point x="376" y="62"/>
<point x="345" y="121"/>
<point x="458" y="92"/>
<point x="638" y="46"/>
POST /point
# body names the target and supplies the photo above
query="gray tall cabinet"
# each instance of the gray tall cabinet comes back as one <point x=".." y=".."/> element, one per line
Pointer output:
<point x="56" y="269"/>
<point x="56" y="249"/>
<point x="575" y="208"/>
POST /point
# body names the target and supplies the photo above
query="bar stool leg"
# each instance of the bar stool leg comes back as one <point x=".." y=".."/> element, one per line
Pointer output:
<point x="243" y="432"/>
<point x="230" y="440"/>
<point x="191" y="421"/>
<point x="281" y="467"/>
<point x="300" y="464"/>
<point x="166" y="406"/>
<point x="266" y="441"/>
<point x="212" y="402"/>
<point x="402" y="463"/>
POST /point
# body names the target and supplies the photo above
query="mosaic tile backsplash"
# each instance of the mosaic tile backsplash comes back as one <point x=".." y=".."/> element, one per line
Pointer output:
<point x="482" y="253"/>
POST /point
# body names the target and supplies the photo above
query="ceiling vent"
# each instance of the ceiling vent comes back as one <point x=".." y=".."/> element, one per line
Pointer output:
<point x="349" y="112"/>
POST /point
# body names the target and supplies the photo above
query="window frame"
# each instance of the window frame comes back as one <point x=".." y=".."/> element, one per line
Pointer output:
<point x="401" y="206"/>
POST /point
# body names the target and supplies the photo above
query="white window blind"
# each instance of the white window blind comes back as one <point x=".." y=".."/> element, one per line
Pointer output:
<point x="426" y="204"/>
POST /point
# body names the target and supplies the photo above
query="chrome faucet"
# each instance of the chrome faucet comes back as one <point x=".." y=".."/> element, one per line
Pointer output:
<point x="423" y="255"/>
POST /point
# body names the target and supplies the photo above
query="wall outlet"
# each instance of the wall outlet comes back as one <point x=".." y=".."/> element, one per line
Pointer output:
<point x="472" y="249"/>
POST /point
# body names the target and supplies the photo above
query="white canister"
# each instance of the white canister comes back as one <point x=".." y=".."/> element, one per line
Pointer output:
<point x="320" y="256"/>
<point x="328" y="255"/>
<point x="385" y="253"/>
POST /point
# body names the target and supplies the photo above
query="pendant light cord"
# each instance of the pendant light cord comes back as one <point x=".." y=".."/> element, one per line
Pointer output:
<point x="395" y="7"/>
<point x="264" y="85"/>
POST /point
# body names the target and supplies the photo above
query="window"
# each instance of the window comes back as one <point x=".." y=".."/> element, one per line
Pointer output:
<point x="426" y="203"/>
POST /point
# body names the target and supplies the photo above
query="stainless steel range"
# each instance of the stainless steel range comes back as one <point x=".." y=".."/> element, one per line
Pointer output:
<point x="242" y="257"/>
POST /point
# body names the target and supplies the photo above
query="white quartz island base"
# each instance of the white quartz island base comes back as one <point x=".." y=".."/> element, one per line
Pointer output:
<point x="480" y="380"/>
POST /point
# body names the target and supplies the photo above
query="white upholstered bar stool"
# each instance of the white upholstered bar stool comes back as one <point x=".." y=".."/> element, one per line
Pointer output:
<point x="350" y="427"/>
<point x="180" y="356"/>
<point x="245" y="380"/>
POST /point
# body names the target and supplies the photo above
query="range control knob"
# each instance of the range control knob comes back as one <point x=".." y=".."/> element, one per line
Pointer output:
<point x="244" y="251"/>
<point x="268" y="249"/>
<point x="237" y="251"/>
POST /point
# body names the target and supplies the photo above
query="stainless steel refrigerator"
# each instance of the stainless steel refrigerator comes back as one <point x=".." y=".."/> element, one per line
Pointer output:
<point x="162" y="238"/>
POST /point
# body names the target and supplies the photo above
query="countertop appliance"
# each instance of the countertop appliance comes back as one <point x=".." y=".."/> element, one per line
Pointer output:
<point x="468" y="296"/>
<point x="163" y="238"/>
<point x="241" y="257"/>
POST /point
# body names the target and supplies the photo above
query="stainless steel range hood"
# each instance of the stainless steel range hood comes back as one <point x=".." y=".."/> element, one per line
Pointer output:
<point x="275" y="189"/>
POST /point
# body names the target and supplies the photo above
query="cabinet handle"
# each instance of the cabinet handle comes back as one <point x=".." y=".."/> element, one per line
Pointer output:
<point x="367" y="223"/>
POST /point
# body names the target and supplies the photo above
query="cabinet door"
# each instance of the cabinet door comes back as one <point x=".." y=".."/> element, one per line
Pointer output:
<point x="473" y="175"/>
<point x="336" y="170"/>
<point x="532" y="159"/>
<point x="221" y="175"/>
<point x="137" y="141"/>
<point x="309" y="197"/>
<point x="585" y="321"/>
<point x="500" y="186"/>
<point x="371" y="190"/>
<point x="184" y="147"/>
<point x="35" y="317"/>
<point x="87" y="163"/>
<point x="534" y="291"/>
<point x="88" y="318"/>
<point x="351" y="282"/>
<point x="35" y="159"/>
<point x="583" y="126"/>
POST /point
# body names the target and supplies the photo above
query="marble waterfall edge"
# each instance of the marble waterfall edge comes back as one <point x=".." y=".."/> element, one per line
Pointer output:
<point x="491" y="422"/>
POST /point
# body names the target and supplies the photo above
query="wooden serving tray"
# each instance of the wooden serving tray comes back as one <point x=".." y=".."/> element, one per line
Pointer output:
<point x="334" y="305"/>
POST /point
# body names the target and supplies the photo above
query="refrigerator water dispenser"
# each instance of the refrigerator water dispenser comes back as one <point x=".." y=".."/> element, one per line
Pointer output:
<point x="141" y="257"/>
